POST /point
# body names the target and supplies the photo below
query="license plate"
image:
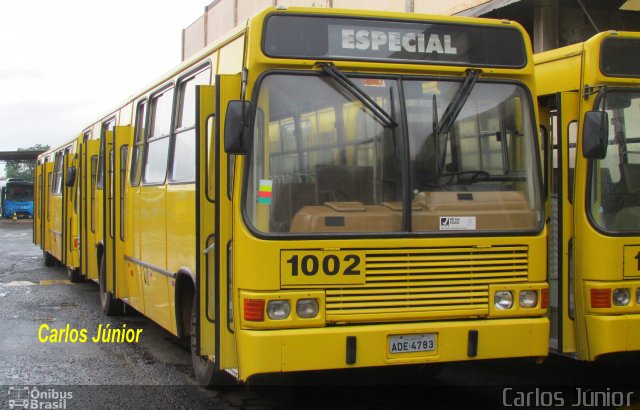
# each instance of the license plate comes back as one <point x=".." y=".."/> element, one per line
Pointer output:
<point x="425" y="342"/>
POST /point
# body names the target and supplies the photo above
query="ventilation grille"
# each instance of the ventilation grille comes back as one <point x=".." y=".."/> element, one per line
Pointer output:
<point x="411" y="284"/>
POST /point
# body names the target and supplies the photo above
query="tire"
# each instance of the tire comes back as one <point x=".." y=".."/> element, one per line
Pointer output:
<point x="49" y="260"/>
<point x="74" y="275"/>
<point x="110" y="305"/>
<point x="203" y="368"/>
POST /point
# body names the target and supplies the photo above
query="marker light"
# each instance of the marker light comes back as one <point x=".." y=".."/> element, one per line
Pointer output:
<point x="307" y="308"/>
<point x="528" y="298"/>
<point x="600" y="298"/>
<point x="278" y="309"/>
<point x="621" y="297"/>
<point x="503" y="299"/>
<point x="254" y="310"/>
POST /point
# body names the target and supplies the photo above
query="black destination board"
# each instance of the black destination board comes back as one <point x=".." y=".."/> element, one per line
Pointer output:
<point x="343" y="38"/>
<point x="620" y="57"/>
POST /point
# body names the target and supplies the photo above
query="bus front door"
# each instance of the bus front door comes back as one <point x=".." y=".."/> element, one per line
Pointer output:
<point x="563" y="117"/>
<point x="214" y="210"/>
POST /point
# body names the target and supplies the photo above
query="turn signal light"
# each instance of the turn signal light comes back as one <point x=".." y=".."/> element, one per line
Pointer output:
<point x="544" y="298"/>
<point x="600" y="298"/>
<point x="254" y="310"/>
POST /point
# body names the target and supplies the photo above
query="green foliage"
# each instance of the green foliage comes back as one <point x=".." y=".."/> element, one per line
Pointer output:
<point x="23" y="169"/>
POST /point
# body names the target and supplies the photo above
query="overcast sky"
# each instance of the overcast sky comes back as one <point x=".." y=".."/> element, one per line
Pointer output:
<point x="64" y="63"/>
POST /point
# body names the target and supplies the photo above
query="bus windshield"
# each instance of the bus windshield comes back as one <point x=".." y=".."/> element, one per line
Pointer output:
<point x="322" y="162"/>
<point x="21" y="193"/>
<point x="614" y="199"/>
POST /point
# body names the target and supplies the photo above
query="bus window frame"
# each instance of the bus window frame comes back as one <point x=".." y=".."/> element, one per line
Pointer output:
<point x="139" y="137"/>
<point x="404" y="158"/>
<point x="176" y="116"/>
<point x="151" y="115"/>
<point x="102" y="151"/>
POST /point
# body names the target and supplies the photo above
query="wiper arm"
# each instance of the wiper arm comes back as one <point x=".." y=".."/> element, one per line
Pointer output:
<point x="384" y="117"/>
<point x="454" y="108"/>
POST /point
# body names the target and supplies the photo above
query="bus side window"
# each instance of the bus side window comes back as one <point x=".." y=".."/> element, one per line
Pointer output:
<point x="157" y="145"/>
<point x="56" y="187"/>
<point x="106" y="126"/>
<point x="184" y="145"/>
<point x="136" y="155"/>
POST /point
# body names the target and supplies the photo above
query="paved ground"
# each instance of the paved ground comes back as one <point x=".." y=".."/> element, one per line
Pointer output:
<point x="156" y="372"/>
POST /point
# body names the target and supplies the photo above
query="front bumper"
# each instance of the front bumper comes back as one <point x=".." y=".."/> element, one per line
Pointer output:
<point x="612" y="334"/>
<point x="288" y="350"/>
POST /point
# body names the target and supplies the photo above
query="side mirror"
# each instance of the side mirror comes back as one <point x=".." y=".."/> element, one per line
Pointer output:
<point x="595" y="134"/>
<point x="237" y="130"/>
<point x="70" y="180"/>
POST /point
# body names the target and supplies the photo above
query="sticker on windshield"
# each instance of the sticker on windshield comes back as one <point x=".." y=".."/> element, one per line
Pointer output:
<point x="373" y="82"/>
<point x="264" y="192"/>
<point x="457" y="223"/>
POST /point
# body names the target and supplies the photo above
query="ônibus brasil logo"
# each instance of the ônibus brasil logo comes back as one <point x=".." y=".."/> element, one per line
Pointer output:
<point x="25" y="397"/>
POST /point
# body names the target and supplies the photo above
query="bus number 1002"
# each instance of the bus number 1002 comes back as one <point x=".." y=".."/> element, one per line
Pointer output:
<point x="330" y="265"/>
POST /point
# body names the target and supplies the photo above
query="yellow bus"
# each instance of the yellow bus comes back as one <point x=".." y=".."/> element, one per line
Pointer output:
<point x="55" y="216"/>
<point x="324" y="189"/>
<point x="589" y="99"/>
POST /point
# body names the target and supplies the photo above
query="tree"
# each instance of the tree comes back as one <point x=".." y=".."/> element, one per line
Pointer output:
<point x="23" y="169"/>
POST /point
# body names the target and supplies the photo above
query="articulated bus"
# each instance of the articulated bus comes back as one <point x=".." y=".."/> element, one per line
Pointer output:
<point x="321" y="189"/>
<point x="589" y="98"/>
<point x="16" y="199"/>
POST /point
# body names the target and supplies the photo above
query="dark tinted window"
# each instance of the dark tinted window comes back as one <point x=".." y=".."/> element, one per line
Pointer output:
<point x="619" y="57"/>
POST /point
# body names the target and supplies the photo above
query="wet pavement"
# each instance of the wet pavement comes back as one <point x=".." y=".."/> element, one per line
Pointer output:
<point x="156" y="371"/>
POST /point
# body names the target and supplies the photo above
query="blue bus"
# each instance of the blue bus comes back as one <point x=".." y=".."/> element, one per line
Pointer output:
<point x="17" y="198"/>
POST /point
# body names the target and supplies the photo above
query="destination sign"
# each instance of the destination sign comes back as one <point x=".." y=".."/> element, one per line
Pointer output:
<point x="619" y="57"/>
<point x="342" y="38"/>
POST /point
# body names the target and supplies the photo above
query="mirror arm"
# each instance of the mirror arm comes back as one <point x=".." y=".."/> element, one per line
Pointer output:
<point x="243" y="93"/>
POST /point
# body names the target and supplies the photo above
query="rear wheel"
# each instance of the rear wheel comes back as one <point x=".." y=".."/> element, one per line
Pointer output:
<point x="203" y="368"/>
<point x="110" y="305"/>
<point x="74" y="275"/>
<point x="49" y="260"/>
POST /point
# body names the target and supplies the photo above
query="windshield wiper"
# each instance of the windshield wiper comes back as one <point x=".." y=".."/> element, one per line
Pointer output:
<point x="458" y="101"/>
<point x="384" y="117"/>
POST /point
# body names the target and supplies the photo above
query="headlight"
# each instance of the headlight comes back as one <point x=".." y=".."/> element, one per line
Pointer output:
<point x="503" y="299"/>
<point x="278" y="309"/>
<point x="307" y="308"/>
<point x="621" y="296"/>
<point x="528" y="298"/>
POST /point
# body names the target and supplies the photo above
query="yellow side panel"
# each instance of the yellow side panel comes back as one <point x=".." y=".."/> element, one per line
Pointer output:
<point x="153" y="251"/>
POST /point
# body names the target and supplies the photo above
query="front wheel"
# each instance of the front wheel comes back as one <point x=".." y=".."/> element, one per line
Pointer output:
<point x="203" y="368"/>
<point x="110" y="305"/>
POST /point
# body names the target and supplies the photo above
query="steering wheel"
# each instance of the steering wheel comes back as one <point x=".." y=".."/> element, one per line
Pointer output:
<point x="481" y="175"/>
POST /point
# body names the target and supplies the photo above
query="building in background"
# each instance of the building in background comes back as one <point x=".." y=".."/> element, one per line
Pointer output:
<point x="550" y="23"/>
